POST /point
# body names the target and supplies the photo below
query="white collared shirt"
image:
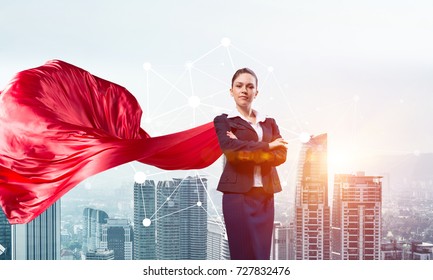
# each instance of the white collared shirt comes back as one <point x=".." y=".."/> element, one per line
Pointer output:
<point x="259" y="130"/>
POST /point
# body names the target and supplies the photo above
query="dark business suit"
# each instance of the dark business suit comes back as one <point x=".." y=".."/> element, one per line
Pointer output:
<point x="248" y="211"/>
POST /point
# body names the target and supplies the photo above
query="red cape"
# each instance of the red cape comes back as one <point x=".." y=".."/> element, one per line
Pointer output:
<point x="59" y="125"/>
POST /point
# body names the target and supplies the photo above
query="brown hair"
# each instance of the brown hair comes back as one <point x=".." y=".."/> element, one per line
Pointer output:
<point x="244" y="71"/>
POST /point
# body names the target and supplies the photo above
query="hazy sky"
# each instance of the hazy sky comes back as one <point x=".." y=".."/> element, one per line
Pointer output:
<point x="361" y="71"/>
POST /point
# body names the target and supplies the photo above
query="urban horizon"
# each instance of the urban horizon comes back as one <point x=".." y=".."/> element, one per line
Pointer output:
<point x="400" y="226"/>
<point x="359" y="72"/>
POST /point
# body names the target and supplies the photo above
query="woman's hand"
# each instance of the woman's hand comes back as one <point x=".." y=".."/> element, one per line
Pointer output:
<point x="277" y="143"/>
<point x="231" y="135"/>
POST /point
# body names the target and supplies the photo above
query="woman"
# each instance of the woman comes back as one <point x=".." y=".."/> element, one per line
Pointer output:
<point x="253" y="146"/>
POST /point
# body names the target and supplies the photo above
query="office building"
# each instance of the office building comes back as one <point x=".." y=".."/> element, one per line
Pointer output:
<point x="282" y="242"/>
<point x="356" y="217"/>
<point x="170" y="220"/>
<point x="392" y="250"/>
<point x="39" y="239"/>
<point x="145" y="221"/>
<point x="217" y="243"/>
<point x="117" y="235"/>
<point x="182" y="219"/>
<point x="93" y="220"/>
<point x="312" y="213"/>
<point x="420" y="251"/>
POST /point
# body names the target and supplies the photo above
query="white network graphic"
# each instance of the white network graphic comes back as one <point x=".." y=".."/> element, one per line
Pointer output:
<point x="197" y="104"/>
<point x="182" y="93"/>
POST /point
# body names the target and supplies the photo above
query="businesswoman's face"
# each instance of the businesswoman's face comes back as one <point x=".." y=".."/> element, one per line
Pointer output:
<point x="244" y="90"/>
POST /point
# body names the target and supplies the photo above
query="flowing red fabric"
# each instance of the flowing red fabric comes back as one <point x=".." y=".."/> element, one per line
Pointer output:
<point x="59" y="124"/>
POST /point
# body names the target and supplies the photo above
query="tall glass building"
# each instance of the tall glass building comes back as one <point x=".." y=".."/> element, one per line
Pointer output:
<point x="282" y="242"/>
<point x="93" y="220"/>
<point x="356" y="217"/>
<point x="170" y="220"/>
<point x="312" y="216"/>
<point x="217" y="243"/>
<point x="182" y="219"/>
<point x="193" y="217"/>
<point x="145" y="221"/>
<point x="40" y="238"/>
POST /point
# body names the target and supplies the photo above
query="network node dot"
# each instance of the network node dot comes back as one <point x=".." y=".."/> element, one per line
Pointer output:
<point x="304" y="137"/>
<point x="147" y="66"/>
<point x="189" y="65"/>
<point x="140" y="177"/>
<point x="199" y="203"/>
<point x="225" y="42"/>
<point x="147" y="222"/>
<point x="194" y="101"/>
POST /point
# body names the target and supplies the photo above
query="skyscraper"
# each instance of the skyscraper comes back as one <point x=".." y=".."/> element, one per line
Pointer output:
<point x="168" y="224"/>
<point x="145" y="220"/>
<point x="182" y="219"/>
<point x="193" y="217"/>
<point x="5" y="238"/>
<point x="38" y="239"/>
<point x="117" y="235"/>
<point x="356" y="217"/>
<point x="217" y="243"/>
<point x="170" y="220"/>
<point x="312" y="216"/>
<point x="282" y="242"/>
<point x="93" y="220"/>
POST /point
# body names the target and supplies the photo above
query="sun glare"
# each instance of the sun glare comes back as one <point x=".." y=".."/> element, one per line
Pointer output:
<point x="341" y="160"/>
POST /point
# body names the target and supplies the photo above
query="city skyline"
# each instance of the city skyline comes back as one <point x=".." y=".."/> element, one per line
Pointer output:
<point x="355" y="194"/>
<point x="359" y="72"/>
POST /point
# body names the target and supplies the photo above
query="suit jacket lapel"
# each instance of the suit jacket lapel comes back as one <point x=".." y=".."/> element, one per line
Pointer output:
<point x="240" y="121"/>
<point x="267" y="130"/>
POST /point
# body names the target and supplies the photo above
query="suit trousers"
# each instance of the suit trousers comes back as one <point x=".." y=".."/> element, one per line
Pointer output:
<point x="249" y="220"/>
